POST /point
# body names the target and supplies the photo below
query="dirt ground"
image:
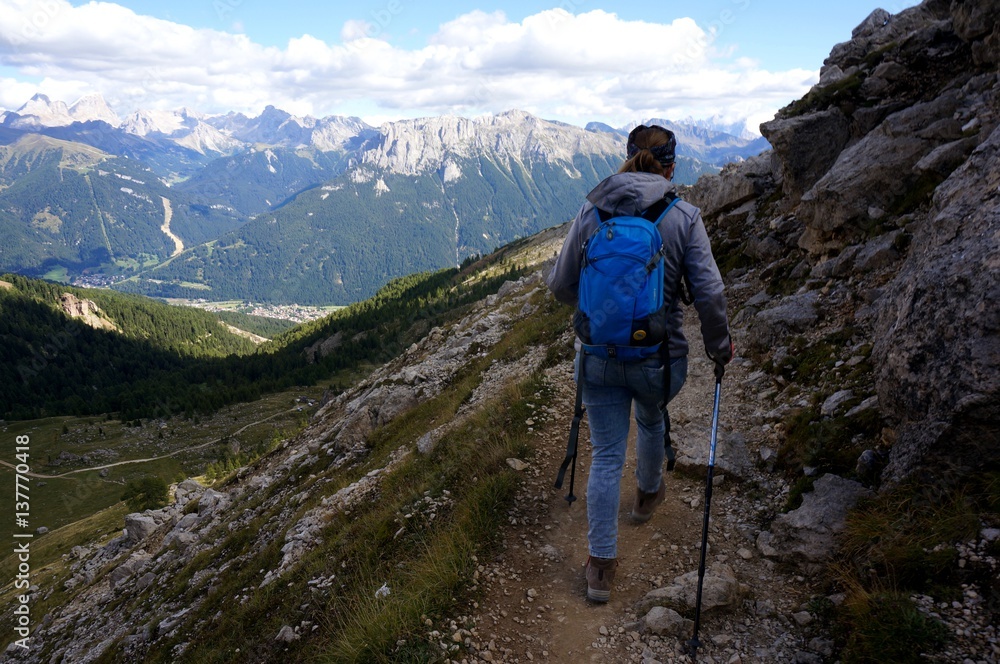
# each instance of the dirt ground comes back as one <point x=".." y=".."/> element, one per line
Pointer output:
<point x="535" y="606"/>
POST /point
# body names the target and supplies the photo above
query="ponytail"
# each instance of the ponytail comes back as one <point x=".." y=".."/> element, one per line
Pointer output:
<point x="642" y="161"/>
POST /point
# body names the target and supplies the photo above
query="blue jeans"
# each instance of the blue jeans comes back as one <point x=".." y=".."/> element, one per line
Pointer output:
<point x="609" y="389"/>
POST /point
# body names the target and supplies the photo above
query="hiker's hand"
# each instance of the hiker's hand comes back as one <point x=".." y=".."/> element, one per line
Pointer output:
<point x="725" y="354"/>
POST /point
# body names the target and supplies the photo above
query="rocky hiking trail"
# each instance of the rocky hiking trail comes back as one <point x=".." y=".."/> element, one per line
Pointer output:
<point x="534" y="606"/>
<point x="755" y="608"/>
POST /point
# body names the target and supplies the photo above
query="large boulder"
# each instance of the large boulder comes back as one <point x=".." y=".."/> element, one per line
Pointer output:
<point x="938" y="335"/>
<point x="138" y="527"/>
<point x="212" y="501"/>
<point x="807" y="536"/>
<point x="793" y="314"/>
<point x="735" y="185"/>
<point x="693" y="448"/>
<point x="805" y="147"/>
<point x="720" y="589"/>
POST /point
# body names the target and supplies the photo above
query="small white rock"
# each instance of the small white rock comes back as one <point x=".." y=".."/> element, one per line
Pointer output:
<point x="517" y="464"/>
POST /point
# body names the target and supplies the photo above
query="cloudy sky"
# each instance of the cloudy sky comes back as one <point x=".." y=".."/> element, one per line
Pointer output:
<point x="569" y="60"/>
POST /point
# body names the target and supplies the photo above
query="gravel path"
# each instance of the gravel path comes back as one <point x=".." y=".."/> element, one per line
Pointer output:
<point x="534" y="606"/>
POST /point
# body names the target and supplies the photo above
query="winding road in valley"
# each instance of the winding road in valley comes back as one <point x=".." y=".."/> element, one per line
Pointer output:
<point x="156" y="458"/>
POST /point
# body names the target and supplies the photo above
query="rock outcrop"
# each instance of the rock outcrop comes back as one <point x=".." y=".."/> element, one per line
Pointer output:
<point x="880" y="224"/>
<point x="807" y="536"/>
<point x="938" y="333"/>
<point x="86" y="311"/>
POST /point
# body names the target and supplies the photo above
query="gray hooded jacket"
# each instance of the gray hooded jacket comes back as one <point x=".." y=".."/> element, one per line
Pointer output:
<point x="687" y="247"/>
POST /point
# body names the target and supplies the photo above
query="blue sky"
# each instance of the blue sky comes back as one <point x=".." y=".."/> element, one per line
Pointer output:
<point x="780" y="34"/>
<point x="571" y="60"/>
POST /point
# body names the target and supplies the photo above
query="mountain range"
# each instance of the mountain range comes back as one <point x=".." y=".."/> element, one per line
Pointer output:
<point x="390" y="498"/>
<point x="282" y="208"/>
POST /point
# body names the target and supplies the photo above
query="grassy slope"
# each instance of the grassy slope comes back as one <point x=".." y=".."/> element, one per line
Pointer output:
<point x="429" y="567"/>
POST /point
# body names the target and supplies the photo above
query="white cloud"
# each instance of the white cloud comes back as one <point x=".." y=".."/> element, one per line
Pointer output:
<point x="574" y="67"/>
<point x="13" y="93"/>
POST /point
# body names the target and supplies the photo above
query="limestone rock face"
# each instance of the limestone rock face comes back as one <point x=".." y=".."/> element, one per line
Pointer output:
<point x="938" y="336"/>
<point x="881" y="218"/>
<point x="888" y="119"/>
<point x="417" y="146"/>
<point x="877" y="171"/>
<point x="791" y="314"/>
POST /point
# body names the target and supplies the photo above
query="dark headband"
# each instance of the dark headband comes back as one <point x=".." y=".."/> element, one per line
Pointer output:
<point x="664" y="154"/>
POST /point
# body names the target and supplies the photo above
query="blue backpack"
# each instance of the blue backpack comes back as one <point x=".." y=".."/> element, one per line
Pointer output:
<point x="622" y="313"/>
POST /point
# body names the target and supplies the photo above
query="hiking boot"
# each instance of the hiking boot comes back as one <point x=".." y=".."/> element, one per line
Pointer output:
<point x="600" y="574"/>
<point x="646" y="503"/>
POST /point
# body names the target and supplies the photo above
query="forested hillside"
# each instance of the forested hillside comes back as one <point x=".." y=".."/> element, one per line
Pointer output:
<point x="340" y="242"/>
<point x="174" y="360"/>
<point x="257" y="181"/>
<point x="65" y="205"/>
<point x="56" y="364"/>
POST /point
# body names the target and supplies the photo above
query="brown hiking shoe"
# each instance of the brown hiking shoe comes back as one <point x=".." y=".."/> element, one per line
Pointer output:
<point x="600" y="574"/>
<point x="646" y="503"/>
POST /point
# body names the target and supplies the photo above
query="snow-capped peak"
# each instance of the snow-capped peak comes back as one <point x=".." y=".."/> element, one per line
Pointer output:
<point x="145" y="122"/>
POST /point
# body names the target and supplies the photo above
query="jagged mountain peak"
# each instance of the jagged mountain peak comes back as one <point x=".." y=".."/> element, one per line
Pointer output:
<point x="40" y="111"/>
<point x="144" y="122"/>
<point x="93" y="107"/>
<point x="602" y="127"/>
<point x="425" y="144"/>
<point x="182" y="126"/>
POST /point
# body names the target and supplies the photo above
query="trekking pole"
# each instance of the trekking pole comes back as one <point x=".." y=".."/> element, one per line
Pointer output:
<point x="574" y="437"/>
<point x="693" y="644"/>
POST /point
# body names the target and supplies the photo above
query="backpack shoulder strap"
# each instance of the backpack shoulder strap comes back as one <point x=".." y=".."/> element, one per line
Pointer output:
<point x="654" y="213"/>
<point x="660" y="208"/>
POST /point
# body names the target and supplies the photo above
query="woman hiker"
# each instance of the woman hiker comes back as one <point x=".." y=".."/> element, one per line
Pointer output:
<point x="610" y="386"/>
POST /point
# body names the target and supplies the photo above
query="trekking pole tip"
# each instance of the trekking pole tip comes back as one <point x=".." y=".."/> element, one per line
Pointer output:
<point x="692" y="648"/>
